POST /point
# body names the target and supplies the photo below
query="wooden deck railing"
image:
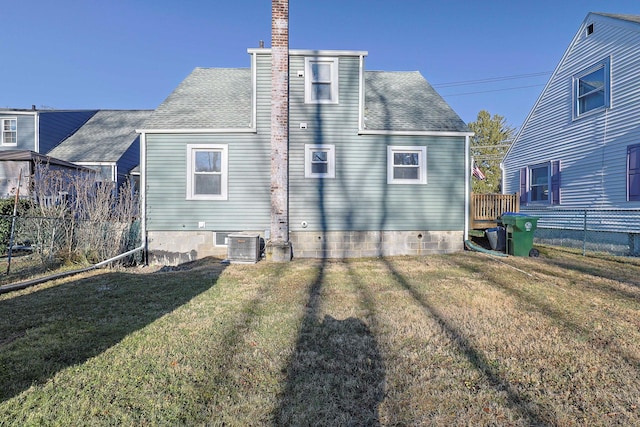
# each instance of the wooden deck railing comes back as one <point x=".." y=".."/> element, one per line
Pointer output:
<point x="486" y="208"/>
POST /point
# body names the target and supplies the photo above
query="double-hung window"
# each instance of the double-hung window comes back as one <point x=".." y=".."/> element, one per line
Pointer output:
<point x="207" y="172"/>
<point x="319" y="161"/>
<point x="591" y="91"/>
<point x="9" y="131"/>
<point x="540" y="184"/>
<point x="321" y="80"/>
<point x="406" y="165"/>
<point x="539" y="178"/>
<point x="633" y="173"/>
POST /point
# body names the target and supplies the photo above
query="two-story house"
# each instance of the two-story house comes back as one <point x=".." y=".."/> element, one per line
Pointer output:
<point x="378" y="162"/>
<point x="101" y="140"/>
<point x="28" y="136"/>
<point x="579" y="147"/>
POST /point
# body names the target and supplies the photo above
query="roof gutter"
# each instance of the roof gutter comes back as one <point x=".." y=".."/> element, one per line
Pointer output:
<point x="414" y="132"/>
<point x="197" y="131"/>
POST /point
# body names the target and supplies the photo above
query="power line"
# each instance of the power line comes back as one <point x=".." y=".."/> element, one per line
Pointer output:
<point x="491" y="79"/>
<point x="493" y="90"/>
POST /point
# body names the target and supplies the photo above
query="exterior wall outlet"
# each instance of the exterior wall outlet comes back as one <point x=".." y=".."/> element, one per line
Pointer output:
<point x="303" y="125"/>
<point x="201" y="224"/>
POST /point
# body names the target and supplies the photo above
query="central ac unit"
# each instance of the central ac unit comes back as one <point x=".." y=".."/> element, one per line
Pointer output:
<point x="243" y="248"/>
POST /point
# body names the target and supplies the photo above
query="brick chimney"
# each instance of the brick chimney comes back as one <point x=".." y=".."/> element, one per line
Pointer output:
<point x="279" y="247"/>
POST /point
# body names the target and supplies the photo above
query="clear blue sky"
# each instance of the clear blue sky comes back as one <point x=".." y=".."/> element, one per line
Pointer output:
<point x="130" y="54"/>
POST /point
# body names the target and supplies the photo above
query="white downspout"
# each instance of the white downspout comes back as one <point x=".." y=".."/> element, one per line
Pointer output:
<point x="143" y="194"/>
<point x="467" y="189"/>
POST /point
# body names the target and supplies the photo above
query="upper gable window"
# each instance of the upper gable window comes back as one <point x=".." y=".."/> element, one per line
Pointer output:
<point x="591" y="89"/>
<point x="321" y="80"/>
<point x="9" y="131"/>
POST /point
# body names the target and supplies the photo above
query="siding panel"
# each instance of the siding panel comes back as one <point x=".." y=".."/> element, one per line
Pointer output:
<point x="592" y="148"/>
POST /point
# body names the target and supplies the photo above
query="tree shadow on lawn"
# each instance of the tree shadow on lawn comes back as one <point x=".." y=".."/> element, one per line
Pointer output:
<point x="45" y="331"/>
<point x="336" y="374"/>
<point x="519" y="403"/>
<point x="550" y="308"/>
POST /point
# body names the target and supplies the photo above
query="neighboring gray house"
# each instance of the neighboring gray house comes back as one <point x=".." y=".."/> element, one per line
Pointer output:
<point x="579" y="147"/>
<point x="27" y="136"/>
<point x="378" y="162"/>
<point x="107" y="142"/>
<point x="19" y="166"/>
<point x="39" y="130"/>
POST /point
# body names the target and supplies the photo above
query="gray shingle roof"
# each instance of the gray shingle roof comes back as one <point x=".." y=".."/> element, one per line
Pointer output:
<point x="405" y="101"/>
<point x="209" y="98"/>
<point x="213" y="98"/>
<point x="632" y="18"/>
<point x="103" y="138"/>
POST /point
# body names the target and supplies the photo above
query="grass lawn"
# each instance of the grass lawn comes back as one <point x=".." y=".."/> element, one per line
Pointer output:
<point x="462" y="339"/>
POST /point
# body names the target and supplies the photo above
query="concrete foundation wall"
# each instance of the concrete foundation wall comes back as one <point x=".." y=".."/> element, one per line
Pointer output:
<point x="177" y="247"/>
<point x="355" y="244"/>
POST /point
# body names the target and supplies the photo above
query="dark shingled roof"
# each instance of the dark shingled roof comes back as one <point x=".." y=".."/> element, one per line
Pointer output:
<point x="213" y="98"/>
<point x="103" y="138"/>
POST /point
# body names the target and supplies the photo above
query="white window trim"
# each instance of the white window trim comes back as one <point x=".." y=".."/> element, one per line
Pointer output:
<point x="331" y="160"/>
<point x="308" y="83"/>
<point x="2" y="120"/>
<point x="224" y="172"/>
<point x="606" y="64"/>
<point x="549" y="189"/>
<point x="422" y="163"/>
<point x="112" y="172"/>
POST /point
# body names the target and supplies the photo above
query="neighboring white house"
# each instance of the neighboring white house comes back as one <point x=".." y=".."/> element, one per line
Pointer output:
<point x="579" y="147"/>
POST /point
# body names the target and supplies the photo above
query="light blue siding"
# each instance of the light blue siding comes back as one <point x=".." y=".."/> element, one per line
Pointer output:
<point x="357" y="199"/>
<point x="25" y="125"/>
<point x="592" y="149"/>
<point x="248" y="204"/>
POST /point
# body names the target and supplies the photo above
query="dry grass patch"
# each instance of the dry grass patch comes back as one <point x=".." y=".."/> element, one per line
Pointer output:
<point x="461" y="339"/>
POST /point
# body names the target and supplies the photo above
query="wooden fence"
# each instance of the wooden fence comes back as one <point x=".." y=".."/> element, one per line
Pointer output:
<point x="487" y="208"/>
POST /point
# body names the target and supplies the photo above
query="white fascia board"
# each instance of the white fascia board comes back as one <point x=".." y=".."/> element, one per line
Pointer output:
<point x="112" y="163"/>
<point x="18" y="113"/>
<point x="310" y="52"/>
<point x="414" y="132"/>
<point x="197" y="131"/>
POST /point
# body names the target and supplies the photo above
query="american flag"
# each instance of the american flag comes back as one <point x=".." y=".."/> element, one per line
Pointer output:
<point x="478" y="173"/>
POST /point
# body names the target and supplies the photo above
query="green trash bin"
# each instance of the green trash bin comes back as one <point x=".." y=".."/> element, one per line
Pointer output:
<point x="520" y="229"/>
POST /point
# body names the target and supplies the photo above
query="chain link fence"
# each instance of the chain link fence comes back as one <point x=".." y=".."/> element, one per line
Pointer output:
<point x="56" y="240"/>
<point x="612" y="231"/>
